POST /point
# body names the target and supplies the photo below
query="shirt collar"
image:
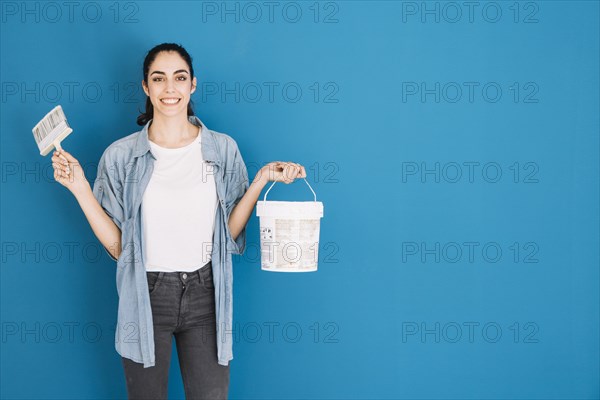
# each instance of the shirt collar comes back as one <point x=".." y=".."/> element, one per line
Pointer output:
<point x="207" y="140"/>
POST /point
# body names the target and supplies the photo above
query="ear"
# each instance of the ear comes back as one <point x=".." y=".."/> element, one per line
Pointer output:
<point x="194" y="82"/>
<point x="145" y="88"/>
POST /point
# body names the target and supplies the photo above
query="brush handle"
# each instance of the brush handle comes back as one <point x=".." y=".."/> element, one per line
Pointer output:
<point x="56" y="145"/>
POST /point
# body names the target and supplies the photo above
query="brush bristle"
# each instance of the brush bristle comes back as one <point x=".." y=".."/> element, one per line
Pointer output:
<point x="52" y="129"/>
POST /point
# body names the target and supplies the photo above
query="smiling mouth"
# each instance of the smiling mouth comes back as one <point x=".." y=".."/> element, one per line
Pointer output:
<point x="170" y="101"/>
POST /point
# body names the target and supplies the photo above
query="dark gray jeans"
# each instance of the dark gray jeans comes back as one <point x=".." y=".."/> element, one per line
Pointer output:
<point x="183" y="305"/>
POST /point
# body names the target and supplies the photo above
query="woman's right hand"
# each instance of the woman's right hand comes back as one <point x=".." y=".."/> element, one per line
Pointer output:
<point x="68" y="172"/>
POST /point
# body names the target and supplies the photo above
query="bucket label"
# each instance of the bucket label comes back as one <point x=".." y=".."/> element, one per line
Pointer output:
<point x="289" y="244"/>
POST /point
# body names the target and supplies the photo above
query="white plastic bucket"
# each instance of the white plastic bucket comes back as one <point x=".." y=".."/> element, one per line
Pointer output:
<point x="289" y="234"/>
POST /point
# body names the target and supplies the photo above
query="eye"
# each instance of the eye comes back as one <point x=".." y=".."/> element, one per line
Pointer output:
<point x="156" y="79"/>
<point x="183" y="77"/>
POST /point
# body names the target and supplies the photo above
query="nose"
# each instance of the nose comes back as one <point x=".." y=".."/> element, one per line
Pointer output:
<point x="170" y="85"/>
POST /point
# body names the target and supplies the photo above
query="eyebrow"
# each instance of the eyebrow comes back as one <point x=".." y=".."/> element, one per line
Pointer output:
<point x="176" y="72"/>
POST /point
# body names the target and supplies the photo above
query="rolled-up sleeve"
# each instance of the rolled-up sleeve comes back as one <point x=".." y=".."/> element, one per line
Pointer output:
<point x="108" y="192"/>
<point x="238" y="184"/>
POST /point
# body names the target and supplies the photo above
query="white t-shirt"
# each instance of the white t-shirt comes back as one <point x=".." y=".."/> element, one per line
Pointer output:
<point x="178" y="209"/>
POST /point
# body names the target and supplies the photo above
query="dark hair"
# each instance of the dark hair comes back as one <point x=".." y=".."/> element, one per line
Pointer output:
<point x="144" y="117"/>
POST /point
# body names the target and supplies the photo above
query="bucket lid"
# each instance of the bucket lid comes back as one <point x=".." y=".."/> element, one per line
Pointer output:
<point x="290" y="209"/>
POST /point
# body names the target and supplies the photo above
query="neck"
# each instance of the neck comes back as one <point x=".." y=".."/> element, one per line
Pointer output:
<point x="172" y="131"/>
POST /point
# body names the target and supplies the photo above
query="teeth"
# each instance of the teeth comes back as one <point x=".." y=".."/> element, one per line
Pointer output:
<point x="170" y="101"/>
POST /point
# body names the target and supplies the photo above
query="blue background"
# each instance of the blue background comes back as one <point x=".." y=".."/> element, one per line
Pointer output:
<point x="377" y="320"/>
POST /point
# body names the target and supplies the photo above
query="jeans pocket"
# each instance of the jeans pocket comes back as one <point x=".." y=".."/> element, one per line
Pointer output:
<point x="154" y="280"/>
<point x="207" y="278"/>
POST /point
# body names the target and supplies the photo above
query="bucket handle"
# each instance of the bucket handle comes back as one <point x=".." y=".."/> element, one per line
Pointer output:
<point x="274" y="182"/>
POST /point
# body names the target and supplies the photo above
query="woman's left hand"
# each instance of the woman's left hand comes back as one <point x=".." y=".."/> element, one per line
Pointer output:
<point x="281" y="171"/>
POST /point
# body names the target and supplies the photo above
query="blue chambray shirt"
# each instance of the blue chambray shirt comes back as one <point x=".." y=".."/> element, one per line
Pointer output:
<point x="124" y="171"/>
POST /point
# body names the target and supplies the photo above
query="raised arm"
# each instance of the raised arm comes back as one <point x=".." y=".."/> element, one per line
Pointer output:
<point x="68" y="172"/>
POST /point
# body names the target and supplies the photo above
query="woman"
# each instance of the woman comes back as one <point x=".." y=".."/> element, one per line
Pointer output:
<point x="170" y="204"/>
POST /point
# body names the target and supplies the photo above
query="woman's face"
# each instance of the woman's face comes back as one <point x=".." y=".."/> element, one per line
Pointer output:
<point x="169" y="85"/>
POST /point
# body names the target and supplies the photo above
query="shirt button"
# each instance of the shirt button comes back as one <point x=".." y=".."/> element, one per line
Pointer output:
<point x="184" y="276"/>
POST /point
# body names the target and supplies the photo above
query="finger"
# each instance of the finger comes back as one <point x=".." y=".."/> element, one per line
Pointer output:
<point x="65" y="169"/>
<point x="288" y="173"/>
<point x="63" y="174"/>
<point x="61" y="158"/>
<point x="67" y="156"/>
<point x="291" y="171"/>
<point x="294" y="172"/>
<point x="284" y="174"/>
<point x="61" y="169"/>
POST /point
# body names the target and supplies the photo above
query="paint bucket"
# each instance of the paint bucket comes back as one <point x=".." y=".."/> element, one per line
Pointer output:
<point x="289" y="234"/>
